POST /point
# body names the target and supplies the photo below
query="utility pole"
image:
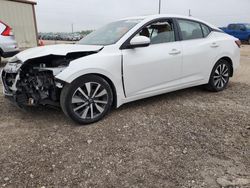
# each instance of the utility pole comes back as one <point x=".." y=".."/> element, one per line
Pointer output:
<point x="72" y="27"/>
<point x="189" y="13"/>
<point x="159" y="6"/>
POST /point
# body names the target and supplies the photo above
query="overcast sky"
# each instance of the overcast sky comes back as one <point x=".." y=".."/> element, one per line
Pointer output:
<point x="58" y="15"/>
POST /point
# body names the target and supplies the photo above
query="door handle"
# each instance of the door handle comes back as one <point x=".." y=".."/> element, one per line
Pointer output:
<point x="174" y="52"/>
<point x="214" y="45"/>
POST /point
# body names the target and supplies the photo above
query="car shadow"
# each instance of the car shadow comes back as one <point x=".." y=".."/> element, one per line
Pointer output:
<point x="164" y="97"/>
<point x="52" y="115"/>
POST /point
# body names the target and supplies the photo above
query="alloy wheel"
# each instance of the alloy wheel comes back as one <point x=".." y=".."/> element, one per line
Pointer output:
<point x="221" y="76"/>
<point x="89" y="101"/>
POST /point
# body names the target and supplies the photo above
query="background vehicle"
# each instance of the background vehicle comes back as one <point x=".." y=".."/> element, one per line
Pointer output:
<point x="61" y="36"/>
<point x="124" y="61"/>
<point x="8" y="45"/>
<point x="239" y="30"/>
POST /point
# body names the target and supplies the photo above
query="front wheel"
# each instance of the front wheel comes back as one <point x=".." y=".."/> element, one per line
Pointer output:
<point x="87" y="100"/>
<point x="220" y="76"/>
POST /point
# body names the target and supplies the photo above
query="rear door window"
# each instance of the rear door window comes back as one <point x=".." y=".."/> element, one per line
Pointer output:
<point x="206" y="30"/>
<point x="190" y="30"/>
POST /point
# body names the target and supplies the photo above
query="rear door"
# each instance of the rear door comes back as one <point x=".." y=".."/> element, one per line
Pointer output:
<point x="199" y="51"/>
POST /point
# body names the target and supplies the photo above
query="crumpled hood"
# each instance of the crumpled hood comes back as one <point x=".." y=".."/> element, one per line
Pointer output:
<point x="60" y="49"/>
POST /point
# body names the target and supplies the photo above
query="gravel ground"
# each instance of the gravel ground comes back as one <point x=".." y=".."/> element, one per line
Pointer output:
<point x="189" y="138"/>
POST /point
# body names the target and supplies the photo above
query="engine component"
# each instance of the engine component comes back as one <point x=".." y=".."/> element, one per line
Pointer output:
<point x="37" y="85"/>
<point x="33" y="82"/>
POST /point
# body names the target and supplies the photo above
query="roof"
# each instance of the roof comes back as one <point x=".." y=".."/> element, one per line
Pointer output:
<point x="25" y="1"/>
<point x="156" y="16"/>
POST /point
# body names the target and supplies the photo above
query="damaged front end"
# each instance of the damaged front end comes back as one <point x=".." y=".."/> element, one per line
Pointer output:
<point x="33" y="82"/>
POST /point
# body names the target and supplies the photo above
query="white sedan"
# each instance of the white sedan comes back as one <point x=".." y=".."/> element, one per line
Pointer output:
<point x="124" y="61"/>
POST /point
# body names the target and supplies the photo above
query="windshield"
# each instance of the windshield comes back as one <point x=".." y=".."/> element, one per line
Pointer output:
<point x="248" y="26"/>
<point x="110" y="33"/>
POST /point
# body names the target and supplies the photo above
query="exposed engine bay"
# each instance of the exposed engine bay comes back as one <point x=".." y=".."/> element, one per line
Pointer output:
<point x="33" y="82"/>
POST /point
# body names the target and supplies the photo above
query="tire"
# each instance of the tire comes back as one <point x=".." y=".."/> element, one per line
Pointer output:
<point x="87" y="99"/>
<point x="220" y="76"/>
<point x="249" y="41"/>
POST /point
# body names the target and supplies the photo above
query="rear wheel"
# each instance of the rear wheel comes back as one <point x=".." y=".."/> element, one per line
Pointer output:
<point x="249" y="40"/>
<point x="87" y="99"/>
<point x="220" y="76"/>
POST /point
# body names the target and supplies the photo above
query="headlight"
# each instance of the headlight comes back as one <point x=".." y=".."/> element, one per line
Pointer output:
<point x="14" y="60"/>
<point x="13" y="67"/>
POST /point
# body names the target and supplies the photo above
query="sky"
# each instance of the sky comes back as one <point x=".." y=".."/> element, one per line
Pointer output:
<point x="59" y="15"/>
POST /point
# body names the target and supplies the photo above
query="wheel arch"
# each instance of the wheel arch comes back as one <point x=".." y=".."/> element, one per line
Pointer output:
<point x="106" y="78"/>
<point x="112" y="85"/>
<point x="229" y="60"/>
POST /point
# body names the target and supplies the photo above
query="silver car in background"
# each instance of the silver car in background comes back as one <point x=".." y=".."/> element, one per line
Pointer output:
<point x="8" y="45"/>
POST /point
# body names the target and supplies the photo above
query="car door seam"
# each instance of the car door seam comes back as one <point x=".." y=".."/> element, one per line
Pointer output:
<point x="122" y="75"/>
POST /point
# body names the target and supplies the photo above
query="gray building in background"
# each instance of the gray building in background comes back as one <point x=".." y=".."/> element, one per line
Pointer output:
<point x="20" y="16"/>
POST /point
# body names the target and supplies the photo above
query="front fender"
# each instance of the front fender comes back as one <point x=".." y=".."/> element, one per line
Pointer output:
<point x="69" y="75"/>
<point x="108" y="65"/>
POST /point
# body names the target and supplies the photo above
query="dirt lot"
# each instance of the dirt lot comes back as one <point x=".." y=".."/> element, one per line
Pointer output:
<point x="190" y="138"/>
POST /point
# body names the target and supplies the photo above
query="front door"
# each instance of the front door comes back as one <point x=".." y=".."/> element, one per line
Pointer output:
<point x="156" y="67"/>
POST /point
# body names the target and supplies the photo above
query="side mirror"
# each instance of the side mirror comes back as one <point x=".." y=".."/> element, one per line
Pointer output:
<point x="139" y="41"/>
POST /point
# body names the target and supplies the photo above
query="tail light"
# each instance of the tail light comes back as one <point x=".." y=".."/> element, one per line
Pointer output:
<point x="238" y="42"/>
<point x="7" y="31"/>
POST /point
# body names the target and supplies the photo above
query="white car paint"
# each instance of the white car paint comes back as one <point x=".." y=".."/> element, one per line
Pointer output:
<point x="138" y="40"/>
<point x="145" y="73"/>
<point x="148" y="71"/>
<point x="107" y="63"/>
<point x="59" y="49"/>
